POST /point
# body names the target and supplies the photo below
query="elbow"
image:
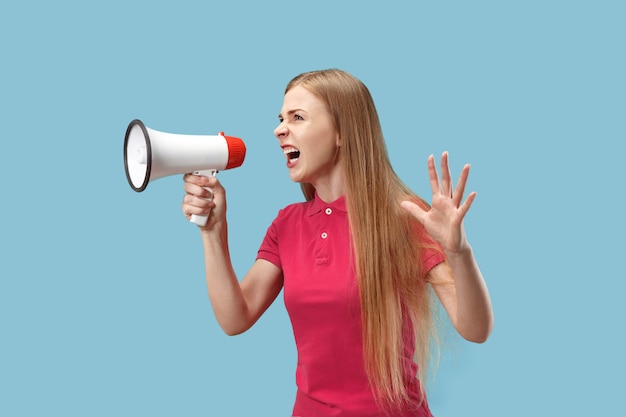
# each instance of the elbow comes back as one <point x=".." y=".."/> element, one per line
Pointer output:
<point x="477" y="338"/>
<point x="233" y="330"/>
<point x="234" y="327"/>
<point x="232" y="323"/>
<point x="478" y="334"/>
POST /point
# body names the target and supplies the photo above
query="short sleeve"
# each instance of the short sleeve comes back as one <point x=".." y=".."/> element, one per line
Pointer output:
<point x="431" y="252"/>
<point x="269" y="247"/>
<point x="431" y="258"/>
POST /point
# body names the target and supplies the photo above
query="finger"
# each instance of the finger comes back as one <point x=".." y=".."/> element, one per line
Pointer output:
<point x="193" y="179"/>
<point x="194" y="201"/>
<point x="198" y="190"/>
<point x="200" y="180"/>
<point x="446" y="177"/>
<point x="460" y="186"/>
<point x="467" y="204"/>
<point x="432" y="174"/>
<point x="188" y="211"/>
<point x="414" y="210"/>
<point x="195" y="205"/>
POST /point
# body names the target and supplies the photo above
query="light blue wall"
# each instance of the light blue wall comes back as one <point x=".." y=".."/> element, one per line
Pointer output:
<point x="103" y="306"/>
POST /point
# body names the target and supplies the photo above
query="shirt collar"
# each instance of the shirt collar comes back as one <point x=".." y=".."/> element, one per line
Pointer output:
<point x="317" y="205"/>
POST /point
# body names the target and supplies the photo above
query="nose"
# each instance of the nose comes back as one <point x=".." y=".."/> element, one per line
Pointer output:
<point x="281" y="130"/>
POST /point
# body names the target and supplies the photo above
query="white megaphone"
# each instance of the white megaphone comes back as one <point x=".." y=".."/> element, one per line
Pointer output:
<point x="150" y="155"/>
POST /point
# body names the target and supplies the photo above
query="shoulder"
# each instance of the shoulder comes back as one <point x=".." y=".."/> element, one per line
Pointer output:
<point x="290" y="218"/>
<point x="295" y="211"/>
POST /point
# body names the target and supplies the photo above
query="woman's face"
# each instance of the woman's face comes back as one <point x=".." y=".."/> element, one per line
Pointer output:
<point x="308" y="138"/>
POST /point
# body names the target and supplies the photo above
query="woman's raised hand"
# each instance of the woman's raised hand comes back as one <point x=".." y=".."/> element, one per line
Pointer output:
<point x="444" y="221"/>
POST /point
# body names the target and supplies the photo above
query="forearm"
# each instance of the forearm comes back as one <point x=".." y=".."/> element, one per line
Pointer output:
<point x="474" y="313"/>
<point x="227" y="299"/>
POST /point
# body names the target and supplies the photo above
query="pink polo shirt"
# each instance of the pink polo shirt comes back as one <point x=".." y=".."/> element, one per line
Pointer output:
<point x="310" y="242"/>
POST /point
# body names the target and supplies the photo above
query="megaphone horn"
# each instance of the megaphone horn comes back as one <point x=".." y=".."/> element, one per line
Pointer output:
<point x="150" y="155"/>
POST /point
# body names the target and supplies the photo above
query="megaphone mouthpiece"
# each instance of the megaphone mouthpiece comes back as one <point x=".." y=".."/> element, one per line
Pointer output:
<point x="236" y="151"/>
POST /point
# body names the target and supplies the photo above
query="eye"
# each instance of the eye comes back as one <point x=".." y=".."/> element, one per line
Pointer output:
<point x="296" y="116"/>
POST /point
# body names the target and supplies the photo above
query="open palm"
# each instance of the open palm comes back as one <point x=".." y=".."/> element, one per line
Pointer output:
<point x="444" y="220"/>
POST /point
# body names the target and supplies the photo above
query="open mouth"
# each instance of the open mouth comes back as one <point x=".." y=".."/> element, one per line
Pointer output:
<point x="292" y="154"/>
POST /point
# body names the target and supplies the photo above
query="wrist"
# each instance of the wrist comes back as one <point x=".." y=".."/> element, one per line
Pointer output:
<point x="213" y="232"/>
<point x="464" y="252"/>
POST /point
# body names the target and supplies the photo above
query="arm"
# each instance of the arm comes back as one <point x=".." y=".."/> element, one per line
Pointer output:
<point x="237" y="306"/>
<point x="467" y="301"/>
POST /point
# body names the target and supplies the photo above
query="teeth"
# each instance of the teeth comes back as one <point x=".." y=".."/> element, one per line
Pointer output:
<point x="291" y="153"/>
<point x="289" y="150"/>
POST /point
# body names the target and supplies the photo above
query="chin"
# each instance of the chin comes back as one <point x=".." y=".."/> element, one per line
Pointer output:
<point x="295" y="177"/>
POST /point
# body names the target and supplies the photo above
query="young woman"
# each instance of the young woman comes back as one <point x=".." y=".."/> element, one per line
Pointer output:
<point x="357" y="260"/>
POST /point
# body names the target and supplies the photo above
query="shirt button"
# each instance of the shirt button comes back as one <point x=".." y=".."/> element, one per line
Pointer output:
<point x="324" y="235"/>
<point x="329" y="211"/>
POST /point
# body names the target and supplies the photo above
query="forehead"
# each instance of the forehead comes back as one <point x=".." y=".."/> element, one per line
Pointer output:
<point x="299" y="98"/>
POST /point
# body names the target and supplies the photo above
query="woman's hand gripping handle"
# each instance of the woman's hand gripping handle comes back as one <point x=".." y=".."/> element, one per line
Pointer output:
<point x="201" y="219"/>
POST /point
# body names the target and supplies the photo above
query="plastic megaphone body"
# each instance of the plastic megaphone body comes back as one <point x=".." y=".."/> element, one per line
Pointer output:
<point x="150" y="155"/>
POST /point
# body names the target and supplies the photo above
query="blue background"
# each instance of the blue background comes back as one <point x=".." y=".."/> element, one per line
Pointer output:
<point x="103" y="305"/>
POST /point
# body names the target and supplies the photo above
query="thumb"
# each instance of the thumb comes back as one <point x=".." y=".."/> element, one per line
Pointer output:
<point x="414" y="210"/>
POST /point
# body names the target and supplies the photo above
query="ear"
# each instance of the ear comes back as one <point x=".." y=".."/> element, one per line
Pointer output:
<point x="338" y="141"/>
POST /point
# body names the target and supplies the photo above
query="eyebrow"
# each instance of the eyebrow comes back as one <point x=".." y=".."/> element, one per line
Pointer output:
<point x="290" y="112"/>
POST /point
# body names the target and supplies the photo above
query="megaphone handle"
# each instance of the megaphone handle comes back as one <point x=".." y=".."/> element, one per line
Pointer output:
<point x="195" y="218"/>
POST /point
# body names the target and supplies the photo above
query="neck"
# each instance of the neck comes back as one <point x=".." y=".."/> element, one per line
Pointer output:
<point x="329" y="196"/>
<point x="330" y="189"/>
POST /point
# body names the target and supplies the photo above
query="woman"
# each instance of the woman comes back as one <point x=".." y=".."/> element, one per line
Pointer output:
<point x="356" y="260"/>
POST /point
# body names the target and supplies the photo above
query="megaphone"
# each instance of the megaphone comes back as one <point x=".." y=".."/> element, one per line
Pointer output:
<point x="150" y="155"/>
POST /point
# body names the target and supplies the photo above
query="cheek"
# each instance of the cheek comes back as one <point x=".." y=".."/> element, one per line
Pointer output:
<point x="326" y="153"/>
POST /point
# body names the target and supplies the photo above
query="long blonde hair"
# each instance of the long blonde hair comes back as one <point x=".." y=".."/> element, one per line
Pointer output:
<point x="390" y="275"/>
